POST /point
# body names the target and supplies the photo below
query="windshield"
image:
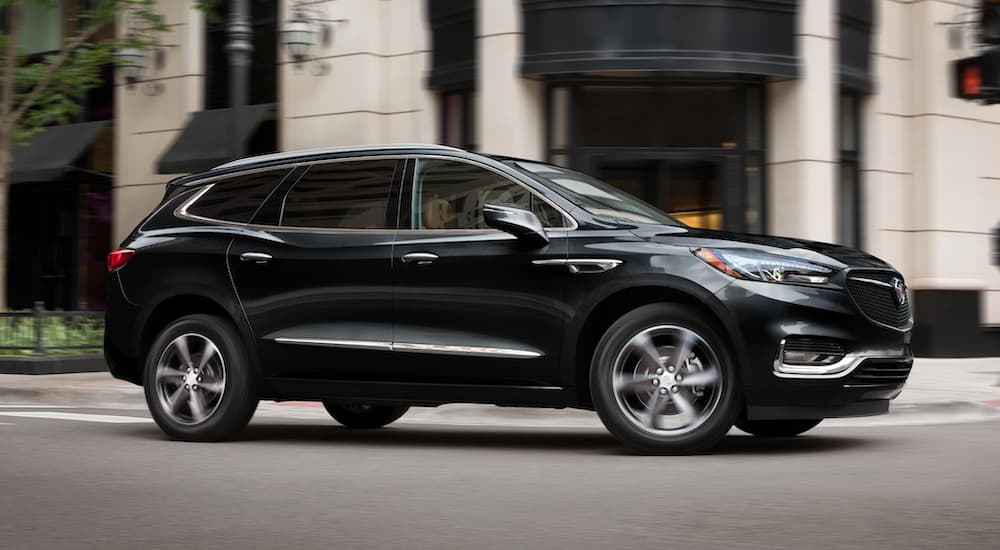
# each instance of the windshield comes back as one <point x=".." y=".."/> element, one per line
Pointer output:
<point x="595" y="196"/>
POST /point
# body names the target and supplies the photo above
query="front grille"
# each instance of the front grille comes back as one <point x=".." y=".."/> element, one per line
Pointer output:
<point x="874" y="295"/>
<point x="883" y="371"/>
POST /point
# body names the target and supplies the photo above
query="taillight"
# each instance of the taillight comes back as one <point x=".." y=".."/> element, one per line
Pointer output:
<point x="119" y="257"/>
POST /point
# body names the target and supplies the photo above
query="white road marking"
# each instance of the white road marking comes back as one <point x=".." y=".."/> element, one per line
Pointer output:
<point x="105" y="418"/>
<point x="34" y="406"/>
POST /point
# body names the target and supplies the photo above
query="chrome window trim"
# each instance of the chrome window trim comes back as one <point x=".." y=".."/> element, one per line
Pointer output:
<point x="573" y="223"/>
<point x="181" y="211"/>
<point x="415" y="347"/>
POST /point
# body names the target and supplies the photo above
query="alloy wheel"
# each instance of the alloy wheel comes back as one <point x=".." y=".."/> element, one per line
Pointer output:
<point x="190" y="379"/>
<point x="667" y="380"/>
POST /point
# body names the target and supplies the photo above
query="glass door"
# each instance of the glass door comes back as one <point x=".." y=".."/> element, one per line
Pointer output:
<point x="698" y="189"/>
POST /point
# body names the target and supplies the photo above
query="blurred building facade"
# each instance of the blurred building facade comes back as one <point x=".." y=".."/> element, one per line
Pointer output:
<point x="59" y="222"/>
<point x="827" y="120"/>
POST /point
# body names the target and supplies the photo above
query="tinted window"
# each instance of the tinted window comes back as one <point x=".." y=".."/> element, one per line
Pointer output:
<point x="595" y="196"/>
<point x="451" y="195"/>
<point x="236" y="199"/>
<point x="342" y="195"/>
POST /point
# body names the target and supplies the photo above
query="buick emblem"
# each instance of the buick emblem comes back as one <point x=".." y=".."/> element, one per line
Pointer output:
<point x="900" y="289"/>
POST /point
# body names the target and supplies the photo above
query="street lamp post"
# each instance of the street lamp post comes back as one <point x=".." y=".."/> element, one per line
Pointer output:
<point x="240" y="49"/>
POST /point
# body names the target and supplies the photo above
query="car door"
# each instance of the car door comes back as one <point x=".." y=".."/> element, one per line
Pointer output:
<point x="471" y="303"/>
<point x="313" y="272"/>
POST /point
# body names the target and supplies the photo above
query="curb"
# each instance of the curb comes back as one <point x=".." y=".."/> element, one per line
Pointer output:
<point x="112" y="394"/>
<point x="52" y="364"/>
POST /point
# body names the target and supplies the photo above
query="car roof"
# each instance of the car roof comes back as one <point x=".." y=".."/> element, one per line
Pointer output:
<point x="325" y="151"/>
<point x="310" y="154"/>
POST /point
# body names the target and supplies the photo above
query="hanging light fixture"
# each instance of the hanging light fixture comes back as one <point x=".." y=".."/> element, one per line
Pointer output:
<point x="130" y="62"/>
<point x="299" y="35"/>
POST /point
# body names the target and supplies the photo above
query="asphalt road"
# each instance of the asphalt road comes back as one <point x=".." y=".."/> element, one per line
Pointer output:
<point x="295" y="483"/>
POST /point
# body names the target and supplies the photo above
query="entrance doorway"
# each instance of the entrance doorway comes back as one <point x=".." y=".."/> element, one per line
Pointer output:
<point x="701" y="190"/>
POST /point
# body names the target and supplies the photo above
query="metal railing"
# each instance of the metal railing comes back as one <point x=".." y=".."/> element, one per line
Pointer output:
<point x="42" y="332"/>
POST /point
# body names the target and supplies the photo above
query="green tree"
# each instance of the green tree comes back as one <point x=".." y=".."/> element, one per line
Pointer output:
<point x="40" y="91"/>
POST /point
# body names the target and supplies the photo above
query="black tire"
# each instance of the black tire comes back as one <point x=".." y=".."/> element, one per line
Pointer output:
<point x="364" y="416"/>
<point x="711" y="426"/>
<point x="776" y="428"/>
<point x="231" y="408"/>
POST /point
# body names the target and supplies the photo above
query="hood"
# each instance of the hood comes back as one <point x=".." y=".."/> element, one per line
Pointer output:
<point x="833" y="255"/>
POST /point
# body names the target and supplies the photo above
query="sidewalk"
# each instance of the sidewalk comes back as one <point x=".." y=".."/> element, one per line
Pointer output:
<point x="963" y="388"/>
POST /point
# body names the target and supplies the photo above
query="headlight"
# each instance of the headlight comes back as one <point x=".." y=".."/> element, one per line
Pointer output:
<point x="754" y="265"/>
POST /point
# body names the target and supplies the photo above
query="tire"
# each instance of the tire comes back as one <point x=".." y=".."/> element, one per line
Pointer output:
<point x="220" y="408"/>
<point x="776" y="428"/>
<point x="673" y="414"/>
<point x="364" y="416"/>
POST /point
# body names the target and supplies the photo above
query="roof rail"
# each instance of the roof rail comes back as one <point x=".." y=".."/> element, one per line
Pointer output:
<point x="285" y="155"/>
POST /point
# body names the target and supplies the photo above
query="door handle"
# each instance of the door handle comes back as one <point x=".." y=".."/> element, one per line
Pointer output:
<point x="255" y="257"/>
<point x="419" y="258"/>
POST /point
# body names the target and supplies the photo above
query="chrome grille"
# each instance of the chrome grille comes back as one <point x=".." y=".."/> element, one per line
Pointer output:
<point x="874" y="295"/>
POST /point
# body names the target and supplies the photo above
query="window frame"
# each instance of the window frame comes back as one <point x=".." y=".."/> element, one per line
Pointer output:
<point x="391" y="199"/>
<point x="405" y="219"/>
<point x="209" y="183"/>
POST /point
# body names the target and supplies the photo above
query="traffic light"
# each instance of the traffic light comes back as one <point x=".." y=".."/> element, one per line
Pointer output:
<point x="978" y="78"/>
<point x="968" y="78"/>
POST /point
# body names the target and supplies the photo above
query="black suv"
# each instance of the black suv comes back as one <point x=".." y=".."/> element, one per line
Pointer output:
<point x="376" y="278"/>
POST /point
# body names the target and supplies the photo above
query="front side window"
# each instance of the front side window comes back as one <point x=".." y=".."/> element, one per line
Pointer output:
<point x="451" y="195"/>
<point x="236" y="199"/>
<point x="595" y="196"/>
<point x="342" y="195"/>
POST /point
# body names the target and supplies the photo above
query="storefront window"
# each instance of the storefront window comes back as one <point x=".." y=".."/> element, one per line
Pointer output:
<point x="693" y="149"/>
<point x="458" y="116"/>
<point x="849" y="184"/>
<point x="41" y="27"/>
<point x="753" y="162"/>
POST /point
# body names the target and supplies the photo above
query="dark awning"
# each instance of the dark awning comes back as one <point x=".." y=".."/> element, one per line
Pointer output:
<point x="53" y="151"/>
<point x="755" y="37"/>
<point x="204" y="143"/>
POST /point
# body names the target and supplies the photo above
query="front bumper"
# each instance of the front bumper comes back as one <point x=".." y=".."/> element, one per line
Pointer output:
<point x="873" y="371"/>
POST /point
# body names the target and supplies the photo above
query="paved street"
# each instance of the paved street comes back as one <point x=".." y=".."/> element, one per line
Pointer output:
<point x="104" y="478"/>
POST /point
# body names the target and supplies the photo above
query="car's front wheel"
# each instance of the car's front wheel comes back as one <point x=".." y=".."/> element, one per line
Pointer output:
<point x="198" y="382"/>
<point x="364" y="416"/>
<point x="776" y="428"/>
<point x="662" y="381"/>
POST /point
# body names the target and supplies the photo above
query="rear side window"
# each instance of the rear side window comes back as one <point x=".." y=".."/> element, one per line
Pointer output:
<point x="236" y="199"/>
<point x="342" y="195"/>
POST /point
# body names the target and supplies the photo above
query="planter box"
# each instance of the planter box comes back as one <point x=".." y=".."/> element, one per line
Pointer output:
<point x="52" y="364"/>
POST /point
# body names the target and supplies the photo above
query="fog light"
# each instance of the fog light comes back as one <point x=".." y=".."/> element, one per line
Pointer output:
<point x="810" y="351"/>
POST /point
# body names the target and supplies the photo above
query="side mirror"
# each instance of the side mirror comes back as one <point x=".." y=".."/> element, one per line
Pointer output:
<point x="523" y="224"/>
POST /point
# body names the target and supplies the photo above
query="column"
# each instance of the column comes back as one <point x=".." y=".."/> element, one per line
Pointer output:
<point x="510" y="109"/>
<point x="802" y="157"/>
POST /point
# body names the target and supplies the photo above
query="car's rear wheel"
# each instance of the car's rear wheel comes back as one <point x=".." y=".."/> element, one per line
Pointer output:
<point x="663" y="381"/>
<point x="198" y="382"/>
<point x="363" y="416"/>
<point x="776" y="428"/>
